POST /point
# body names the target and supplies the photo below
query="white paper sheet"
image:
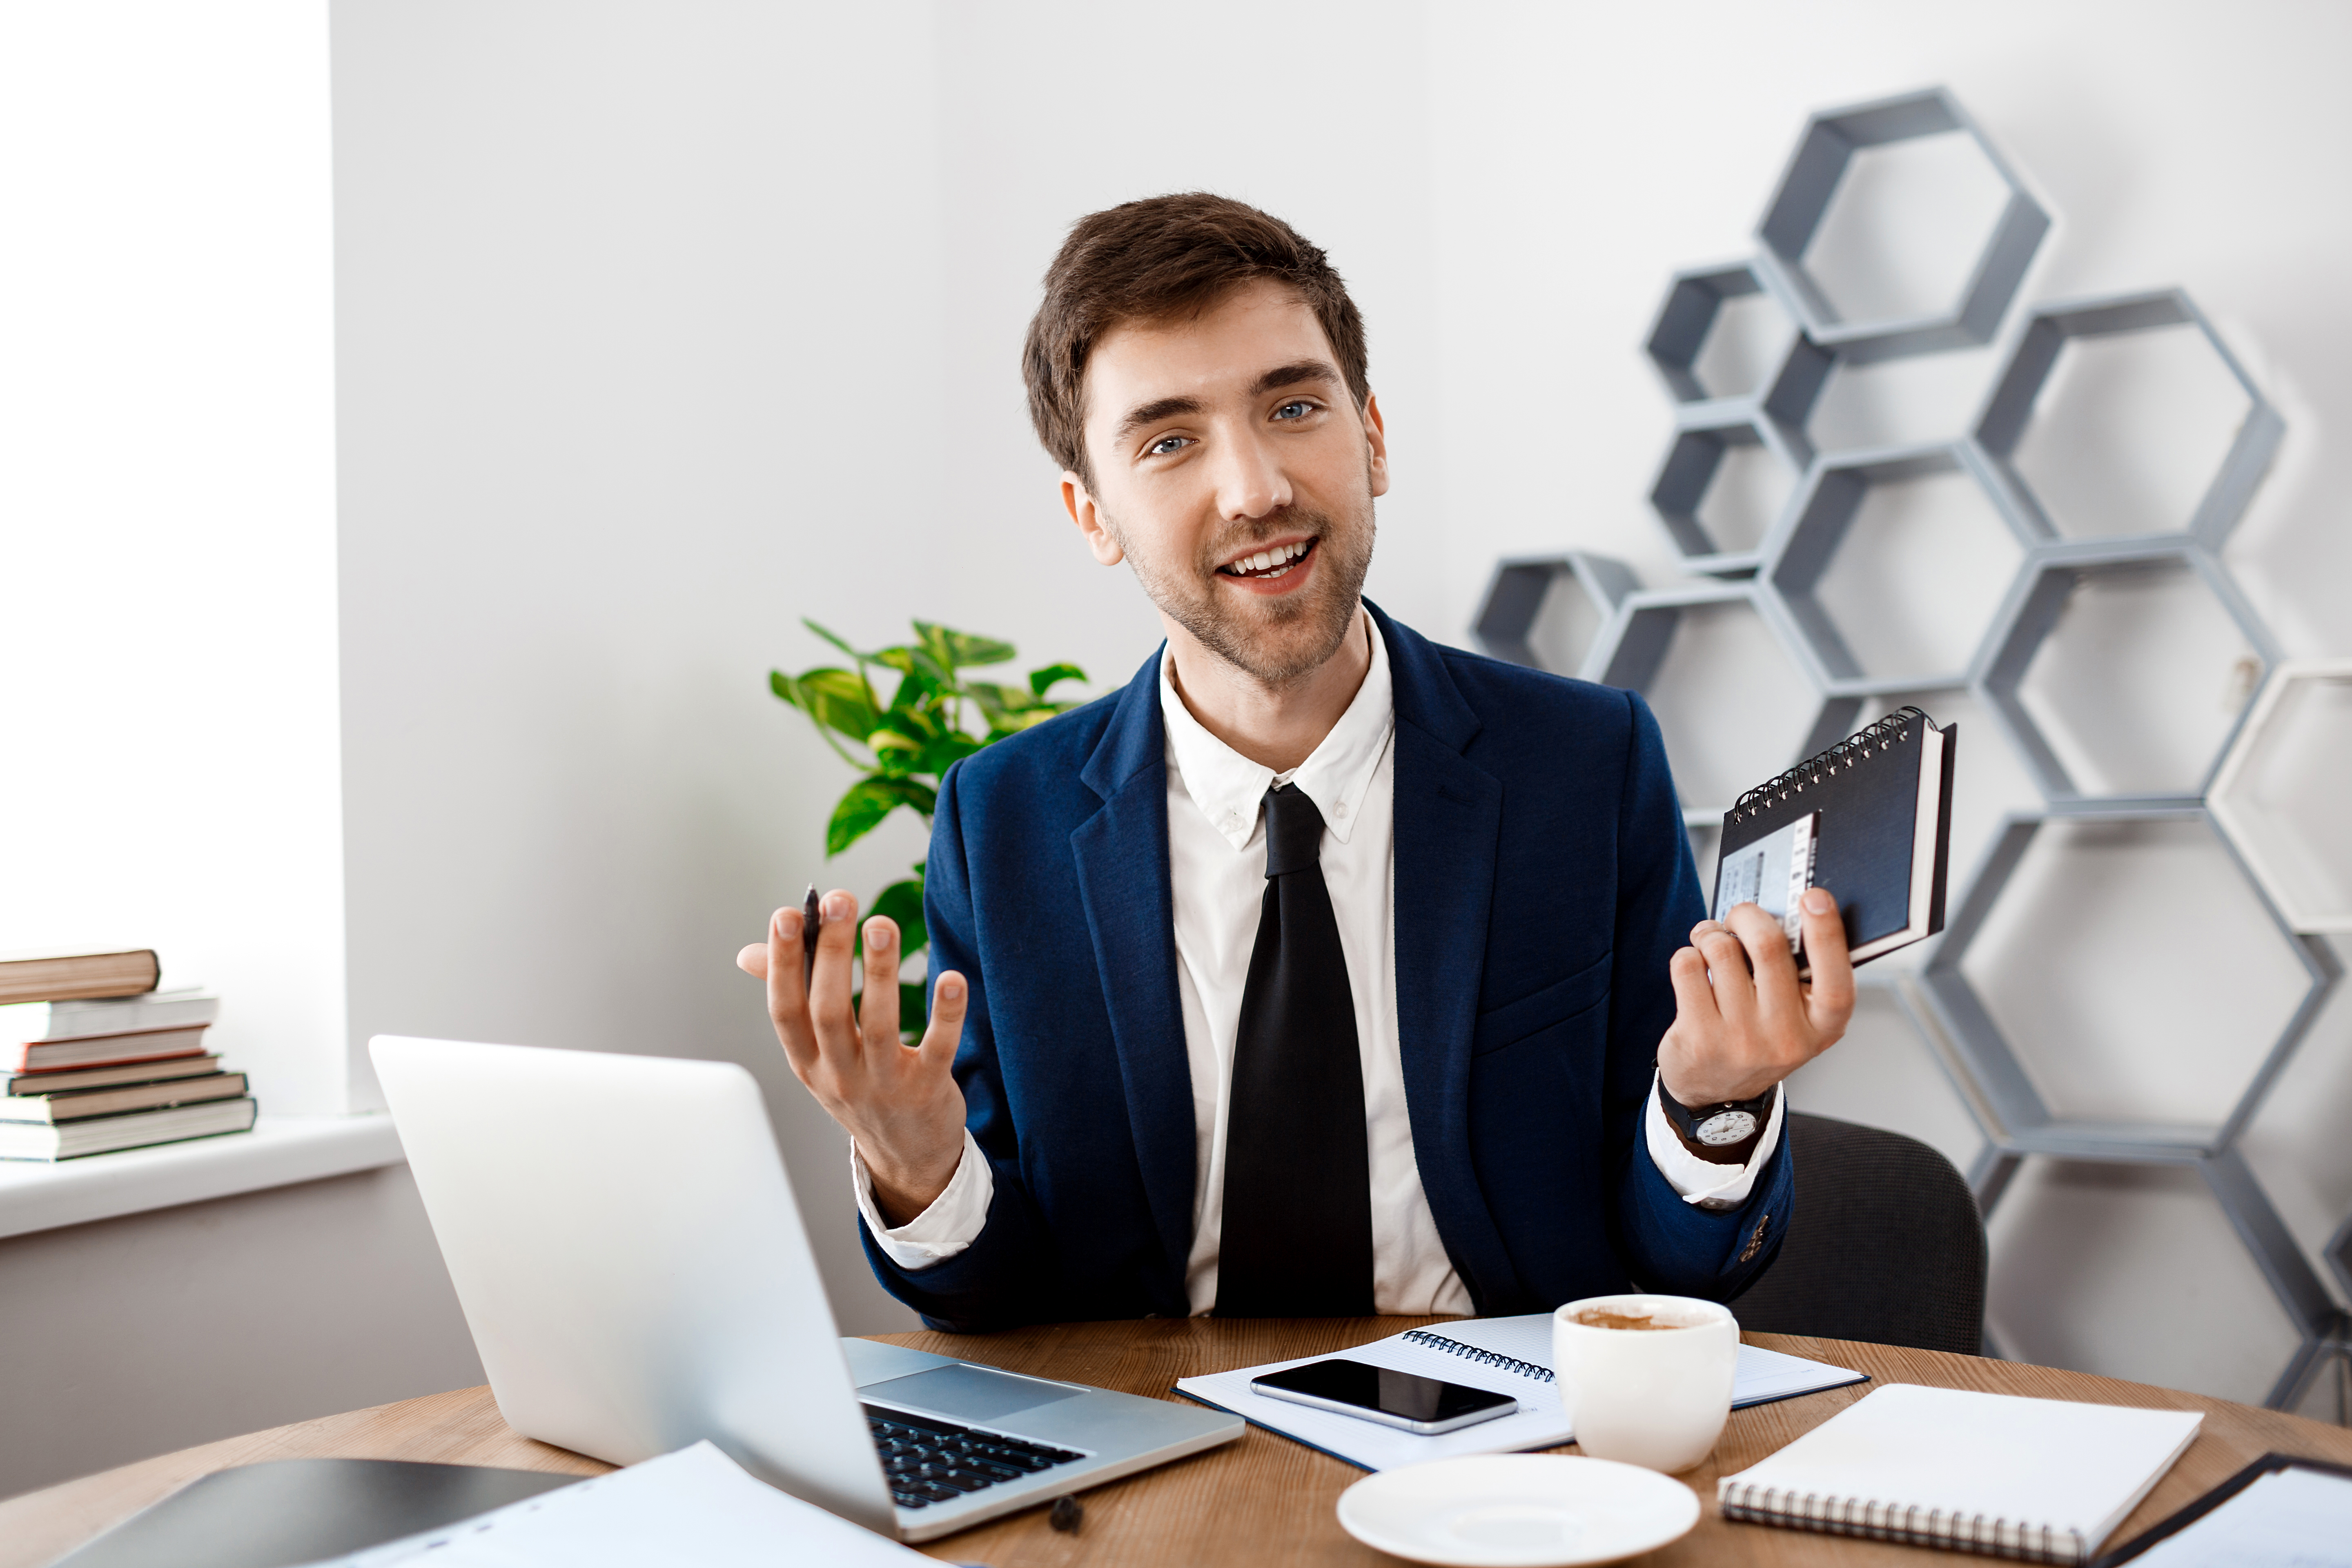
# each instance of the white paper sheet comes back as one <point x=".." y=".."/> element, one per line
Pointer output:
<point x="1540" y="1422"/>
<point x="693" y="1509"/>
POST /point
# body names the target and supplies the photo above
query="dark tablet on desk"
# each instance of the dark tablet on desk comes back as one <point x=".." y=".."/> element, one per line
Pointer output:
<point x="288" y="1512"/>
<point x="2165" y="1528"/>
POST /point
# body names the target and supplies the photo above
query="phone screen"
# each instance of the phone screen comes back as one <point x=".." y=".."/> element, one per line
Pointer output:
<point x="1402" y="1398"/>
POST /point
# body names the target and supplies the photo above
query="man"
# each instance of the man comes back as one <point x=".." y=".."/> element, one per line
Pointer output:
<point x="1322" y="970"/>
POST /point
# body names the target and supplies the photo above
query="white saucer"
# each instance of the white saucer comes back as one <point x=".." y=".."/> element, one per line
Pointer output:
<point x="1517" y="1510"/>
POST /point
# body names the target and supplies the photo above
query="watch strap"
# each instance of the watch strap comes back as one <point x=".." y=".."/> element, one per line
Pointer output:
<point x="1685" y="1121"/>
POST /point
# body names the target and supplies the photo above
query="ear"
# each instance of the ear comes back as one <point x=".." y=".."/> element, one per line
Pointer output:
<point x="1083" y="511"/>
<point x="1376" y="437"/>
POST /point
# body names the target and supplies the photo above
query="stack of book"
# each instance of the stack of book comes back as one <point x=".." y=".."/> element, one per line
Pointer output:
<point x="94" y="1059"/>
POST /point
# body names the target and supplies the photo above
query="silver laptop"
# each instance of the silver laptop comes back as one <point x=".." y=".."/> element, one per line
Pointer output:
<point x="632" y="1265"/>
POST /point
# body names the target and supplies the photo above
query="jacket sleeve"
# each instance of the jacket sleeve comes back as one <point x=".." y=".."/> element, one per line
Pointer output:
<point x="1008" y="1275"/>
<point x="1670" y="1245"/>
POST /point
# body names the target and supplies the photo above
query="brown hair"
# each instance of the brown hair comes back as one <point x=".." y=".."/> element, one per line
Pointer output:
<point x="1155" y="259"/>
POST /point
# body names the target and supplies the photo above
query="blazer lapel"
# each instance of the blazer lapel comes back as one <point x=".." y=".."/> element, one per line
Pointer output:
<point x="1121" y="854"/>
<point x="1448" y="815"/>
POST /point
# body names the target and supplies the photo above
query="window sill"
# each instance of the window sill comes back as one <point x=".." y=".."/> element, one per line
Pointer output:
<point x="280" y="1151"/>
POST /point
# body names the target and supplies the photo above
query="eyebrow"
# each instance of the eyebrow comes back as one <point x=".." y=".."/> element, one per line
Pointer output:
<point x="1144" y="414"/>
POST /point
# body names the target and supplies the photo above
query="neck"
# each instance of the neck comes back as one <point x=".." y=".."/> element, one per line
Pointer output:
<point x="1276" y="727"/>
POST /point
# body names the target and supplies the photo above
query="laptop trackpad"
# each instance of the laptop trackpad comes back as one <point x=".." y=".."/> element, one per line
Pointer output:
<point x="969" y="1393"/>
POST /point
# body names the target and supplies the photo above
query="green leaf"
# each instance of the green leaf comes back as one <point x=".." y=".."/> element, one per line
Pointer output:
<point x="955" y="649"/>
<point x="903" y="902"/>
<point x="1041" y="681"/>
<point x="831" y="638"/>
<point x="869" y="800"/>
<point x="946" y="753"/>
<point x="782" y="685"/>
<point x="839" y="700"/>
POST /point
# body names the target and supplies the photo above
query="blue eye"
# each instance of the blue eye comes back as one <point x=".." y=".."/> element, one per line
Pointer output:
<point x="1165" y="445"/>
<point x="1303" y="408"/>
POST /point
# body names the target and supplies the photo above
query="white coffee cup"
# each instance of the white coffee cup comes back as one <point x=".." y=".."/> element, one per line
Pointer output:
<point x="1656" y="1397"/>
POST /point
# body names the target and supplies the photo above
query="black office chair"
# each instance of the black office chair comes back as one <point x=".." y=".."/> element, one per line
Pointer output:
<point x="1885" y="1245"/>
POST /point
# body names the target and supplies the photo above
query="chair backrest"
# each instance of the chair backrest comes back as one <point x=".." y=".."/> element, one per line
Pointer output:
<point x="1885" y="1245"/>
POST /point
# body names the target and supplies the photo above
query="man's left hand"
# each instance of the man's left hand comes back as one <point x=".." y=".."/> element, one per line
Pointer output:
<point x="1743" y="1021"/>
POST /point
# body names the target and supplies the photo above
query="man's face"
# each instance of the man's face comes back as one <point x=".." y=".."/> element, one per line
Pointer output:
<point x="1234" y="473"/>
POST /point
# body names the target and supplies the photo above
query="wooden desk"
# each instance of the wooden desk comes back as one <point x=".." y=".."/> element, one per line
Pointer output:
<point x="1263" y="1499"/>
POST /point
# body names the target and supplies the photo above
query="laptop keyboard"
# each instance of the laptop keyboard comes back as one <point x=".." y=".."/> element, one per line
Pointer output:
<point x="929" y="1460"/>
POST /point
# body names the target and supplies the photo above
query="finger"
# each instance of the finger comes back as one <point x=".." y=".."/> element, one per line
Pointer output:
<point x="1774" y="967"/>
<point x="950" y="997"/>
<point x="829" y="983"/>
<point x="1830" y="1002"/>
<point x="1727" y="962"/>
<point x="787" y="999"/>
<point x="753" y="960"/>
<point x="1693" y="998"/>
<point x="877" y="1018"/>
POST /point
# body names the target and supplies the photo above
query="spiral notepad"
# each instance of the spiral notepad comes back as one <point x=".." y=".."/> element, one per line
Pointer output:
<point x="1876" y="810"/>
<point x="1482" y="1357"/>
<point x="2040" y="1480"/>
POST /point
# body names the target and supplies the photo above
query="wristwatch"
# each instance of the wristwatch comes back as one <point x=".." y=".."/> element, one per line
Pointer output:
<point x="1724" y="1134"/>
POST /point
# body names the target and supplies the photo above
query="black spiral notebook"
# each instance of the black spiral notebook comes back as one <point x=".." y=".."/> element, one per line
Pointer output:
<point x="1869" y="820"/>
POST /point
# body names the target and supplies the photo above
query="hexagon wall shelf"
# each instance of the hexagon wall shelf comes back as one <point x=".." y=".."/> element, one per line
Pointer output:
<point x="2280" y="794"/>
<point x="1761" y="647"/>
<point x="2029" y="1123"/>
<point x="2011" y="409"/>
<point x="1633" y="651"/>
<point x="2035" y="615"/>
<point x="1731" y="464"/>
<point x="1516" y="597"/>
<point x="1823" y="524"/>
<point x="1698" y="323"/>
<point x="1794" y="219"/>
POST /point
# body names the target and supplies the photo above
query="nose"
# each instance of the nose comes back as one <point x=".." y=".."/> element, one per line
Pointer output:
<point x="1251" y="482"/>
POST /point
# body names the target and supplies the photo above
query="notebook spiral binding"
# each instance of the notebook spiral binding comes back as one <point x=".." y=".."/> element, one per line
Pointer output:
<point x="1885" y="733"/>
<point x="1483" y="1358"/>
<point x="1907" y="1525"/>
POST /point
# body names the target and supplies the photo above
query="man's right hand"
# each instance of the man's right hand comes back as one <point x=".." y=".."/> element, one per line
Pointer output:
<point x="901" y="1103"/>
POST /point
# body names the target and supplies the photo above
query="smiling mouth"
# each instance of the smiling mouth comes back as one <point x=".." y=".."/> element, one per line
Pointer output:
<point x="1267" y="566"/>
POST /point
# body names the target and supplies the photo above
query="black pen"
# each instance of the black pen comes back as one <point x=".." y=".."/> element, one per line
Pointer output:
<point x="811" y="916"/>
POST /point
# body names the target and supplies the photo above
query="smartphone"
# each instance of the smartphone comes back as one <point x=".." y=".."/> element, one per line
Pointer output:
<point x="1417" y="1404"/>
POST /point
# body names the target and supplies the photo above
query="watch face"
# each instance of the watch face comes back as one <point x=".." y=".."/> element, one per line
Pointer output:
<point x="1726" y="1127"/>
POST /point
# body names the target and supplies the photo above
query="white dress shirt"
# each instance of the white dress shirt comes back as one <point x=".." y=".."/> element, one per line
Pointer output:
<point x="1216" y="857"/>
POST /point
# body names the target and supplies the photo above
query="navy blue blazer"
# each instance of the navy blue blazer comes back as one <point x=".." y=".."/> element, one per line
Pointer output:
<point x="1543" y="879"/>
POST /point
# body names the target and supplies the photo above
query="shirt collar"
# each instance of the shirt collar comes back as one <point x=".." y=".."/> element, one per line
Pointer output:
<point x="1229" y="788"/>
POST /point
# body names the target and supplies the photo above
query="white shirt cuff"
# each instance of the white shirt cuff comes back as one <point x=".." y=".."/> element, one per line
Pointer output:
<point x="952" y="1222"/>
<point x="1709" y="1186"/>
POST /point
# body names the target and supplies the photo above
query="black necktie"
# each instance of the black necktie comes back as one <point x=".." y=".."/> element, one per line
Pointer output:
<point x="1297" y="1240"/>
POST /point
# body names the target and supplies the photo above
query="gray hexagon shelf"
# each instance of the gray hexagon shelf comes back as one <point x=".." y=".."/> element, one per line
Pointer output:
<point x="2127" y="683"/>
<point x="1721" y="334"/>
<point x="2301" y="1295"/>
<point x="2015" y="1092"/>
<point x="2279" y="793"/>
<point x="1826" y="155"/>
<point x="2228" y="467"/>
<point x="1723" y="488"/>
<point x="1520" y="598"/>
<point x="1870" y="629"/>
<point x="1768" y="718"/>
